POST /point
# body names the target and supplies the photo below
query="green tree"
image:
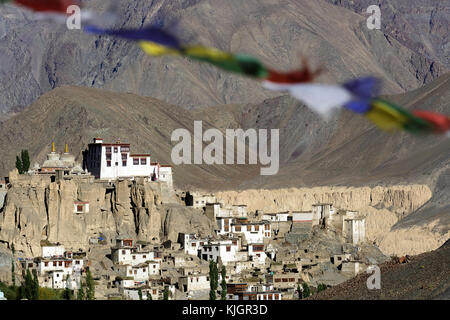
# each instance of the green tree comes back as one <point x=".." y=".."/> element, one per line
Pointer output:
<point x="213" y="279"/>
<point x="28" y="287"/>
<point x="149" y="296"/>
<point x="306" y="290"/>
<point x="166" y="294"/>
<point x="80" y="294"/>
<point x="140" y="294"/>
<point x="90" y="286"/>
<point x="299" y="292"/>
<point x="67" y="292"/>
<point x="13" y="267"/>
<point x="25" y="160"/>
<point x="19" y="165"/>
<point x="13" y="272"/>
<point x="223" y="295"/>
<point x="321" y="287"/>
<point x="35" y="286"/>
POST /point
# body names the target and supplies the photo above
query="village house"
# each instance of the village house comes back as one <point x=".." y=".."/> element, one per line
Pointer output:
<point x="285" y="280"/>
<point x="257" y="254"/>
<point x="125" y="252"/>
<point x="191" y="243"/>
<point x="56" y="268"/>
<point x="353" y="229"/>
<point x="276" y="217"/>
<point x="146" y="291"/>
<point x="195" y="282"/>
<point x="226" y="250"/>
<point x="254" y="232"/>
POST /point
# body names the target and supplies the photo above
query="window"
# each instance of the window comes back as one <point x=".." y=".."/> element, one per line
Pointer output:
<point x="256" y="228"/>
<point x="123" y="251"/>
<point x="144" y="270"/>
<point x="54" y="264"/>
<point x="77" y="262"/>
<point x="237" y="228"/>
<point x="144" y="256"/>
<point x="116" y="149"/>
<point x="194" y="244"/>
<point x="267" y="226"/>
<point x="226" y="228"/>
<point x="117" y="164"/>
<point x="143" y="161"/>
<point x="108" y="149"/>
<point x="291" y="280"/>
<point x="46" y="264"/>
<point x="79" y="208"/>
<point x="135" y="161"/>
<point x="108" y="163"/>
<point x="125" y="149"/>
<point x="228" y="248"/>
<point x="124" y="163"/>
<point x="60" y="263"/>
<point x="108" y="156"/>
<point x="276" y="296"/>
<point x="134" y="257"/>
<point x="124" y="156"/>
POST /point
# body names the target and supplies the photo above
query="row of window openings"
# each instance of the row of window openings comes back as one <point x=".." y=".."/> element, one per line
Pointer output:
<point x="124" y="162"/>
<point x="285" y="280"/>
<point x="256" y="228"/>
<point x="54" y="263"/>
<point x="116" y="149"/>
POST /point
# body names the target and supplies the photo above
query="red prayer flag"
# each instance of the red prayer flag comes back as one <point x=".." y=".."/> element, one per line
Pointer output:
<point x="440" y="122"/>
<point x="48" y="5"/>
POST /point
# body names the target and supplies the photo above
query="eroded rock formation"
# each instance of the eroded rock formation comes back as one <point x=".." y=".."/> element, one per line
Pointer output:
<point x="37" y="209"/>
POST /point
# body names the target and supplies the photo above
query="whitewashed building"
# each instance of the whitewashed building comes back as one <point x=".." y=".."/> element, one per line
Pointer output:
<point x="256" y="251"/>
<point x="302" y="216"/>
<point x="191" y="243"/>
<point x="254" y="232"/>
<point x="110" y="161"/>
<point x="52" y="251"/>
<point x="195" y="282"/>
<point x="276" y="217"/>
<point x="227" y="250"/>
<point x="354" y="230"/>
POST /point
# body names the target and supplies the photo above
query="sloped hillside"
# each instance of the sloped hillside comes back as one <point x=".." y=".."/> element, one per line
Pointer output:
<point x="37" y="56"/>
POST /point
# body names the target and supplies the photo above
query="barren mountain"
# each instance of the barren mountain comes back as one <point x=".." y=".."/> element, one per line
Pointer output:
<point x="426" y="276"/>
<point x="346" y="152"/>
<point x="423" y="26"/>
<point x="37" y="56"/>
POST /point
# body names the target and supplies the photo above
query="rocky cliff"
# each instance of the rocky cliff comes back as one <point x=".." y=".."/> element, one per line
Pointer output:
<point x="37" y="209"/>
<point x="385" y="209"/>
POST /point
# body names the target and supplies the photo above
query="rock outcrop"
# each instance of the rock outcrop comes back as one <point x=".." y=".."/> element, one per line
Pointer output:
<point x="384" y="208"/>
<point x="38" y="209"/>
